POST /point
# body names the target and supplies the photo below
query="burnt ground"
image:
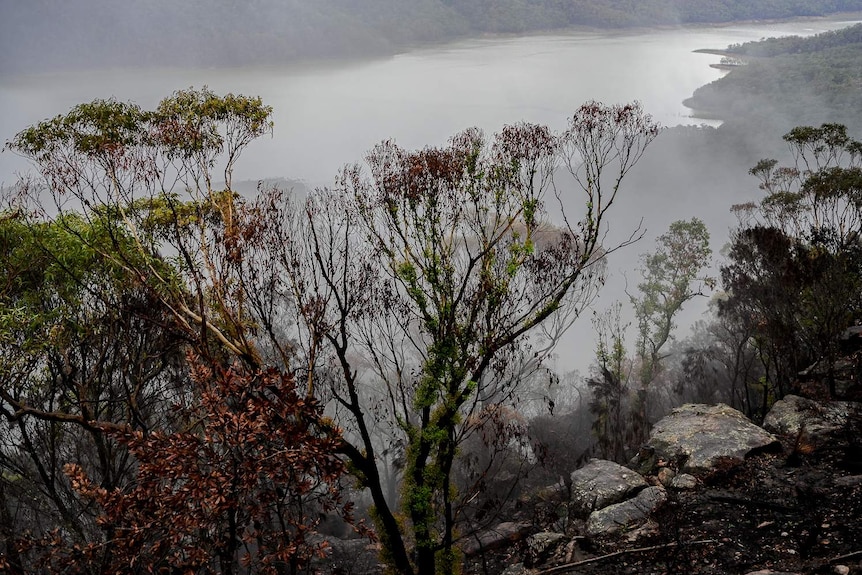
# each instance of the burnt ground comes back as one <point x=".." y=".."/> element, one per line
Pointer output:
<point x="797" y="511"/>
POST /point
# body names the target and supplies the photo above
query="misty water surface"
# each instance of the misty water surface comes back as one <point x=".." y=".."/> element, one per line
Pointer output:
<point x="329" y="115"/>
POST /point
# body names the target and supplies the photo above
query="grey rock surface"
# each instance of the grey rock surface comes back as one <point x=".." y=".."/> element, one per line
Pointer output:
<point x="626" y="515"/>
<point x="666" y="475"/>
<point x="698" y="437"/>
<point x="683" y="481"/>
<point x="503" y="534"/>
<point x="516" y="569"/>
<point x="818" y="420"/>
<point x="601" y="483"/>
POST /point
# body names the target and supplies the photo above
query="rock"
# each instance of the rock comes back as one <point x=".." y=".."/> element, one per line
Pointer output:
<point x="848" y="481"/>
<point x="684" y="481"/>
<point x="516" y="569"/>
<point x="601" y="483"/>
<point x="626" y="515"/>
<point x="666" y="475"/>
<point x="556" y="492"/>
<point x="499" y="536"/>
<point x="650" y="529"/>
<point x="841" y="570"/>
<point x="541" y="546"/>
<point x="819" y="421"/>
<point x="699" y="437"/>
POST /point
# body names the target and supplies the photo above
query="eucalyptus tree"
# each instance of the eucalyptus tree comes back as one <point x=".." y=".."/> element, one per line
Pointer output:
<point x="439" y="273"/>
<point x="795" y="262"/>
<point x="83" y="346"/>
<point x="622" y="384"/>
<point x="671" y="276"/>
<point x="141" y="235"/>
<point x="407" y="298"/>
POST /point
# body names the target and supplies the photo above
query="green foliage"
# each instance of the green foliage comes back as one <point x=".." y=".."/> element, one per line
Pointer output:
<point x="795" y="266"/>
<point x="670" y="278"/>
<point x="188" y="122"/>
<point x="74" y="349"/>
<point x="56" y="269"/>
<point x="798" y="44"/>
<point x="99" y="308"/>
<point x="102" y="128"/>
<point x="115" y="160"/>
<point x="440" y="265"/>
<point x="788" y="82"/>
<point x="194" y="122"/>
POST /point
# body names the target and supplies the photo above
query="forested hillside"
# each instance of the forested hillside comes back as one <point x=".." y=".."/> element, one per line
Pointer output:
<point x="789" y="81"/>
<point x="196" y="381"/>
<point x="50" y="34"/>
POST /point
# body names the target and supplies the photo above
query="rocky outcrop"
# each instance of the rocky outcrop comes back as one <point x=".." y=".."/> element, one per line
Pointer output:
<point x="601" y="483"/>
<point x="712" y="492"/>
<point x="626" y="515"/>
<point x="819" y="422"/>
<point x="697" y="438"/>
<point x="611" y="498"/>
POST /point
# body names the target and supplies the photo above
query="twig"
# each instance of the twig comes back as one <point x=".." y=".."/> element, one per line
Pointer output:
<point x="753" y="503"/>
<point x="567" y="566"/>
<point x="845" y="556"/>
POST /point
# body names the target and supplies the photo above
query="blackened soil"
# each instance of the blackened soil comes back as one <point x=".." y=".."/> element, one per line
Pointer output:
<point x="788" y="512"/>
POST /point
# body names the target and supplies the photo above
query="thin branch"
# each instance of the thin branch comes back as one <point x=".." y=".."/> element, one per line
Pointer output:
<point x="22" y="409"/>
<point x="852" y="555"/>
<point x="568" y="566"/>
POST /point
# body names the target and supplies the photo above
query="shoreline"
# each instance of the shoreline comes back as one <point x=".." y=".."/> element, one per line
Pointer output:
<point x="396" y="49"/>
<point x="713" y="51"/>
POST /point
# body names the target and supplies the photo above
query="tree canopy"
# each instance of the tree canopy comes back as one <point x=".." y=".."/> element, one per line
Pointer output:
<point x="787" y="82"/>
<point x="411" y="297"/>
<point x="794" y="268"/>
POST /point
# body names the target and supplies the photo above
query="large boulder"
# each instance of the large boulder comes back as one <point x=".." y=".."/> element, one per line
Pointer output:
<point x="499" y="536"/>
<point x="820" y="422"/>
<point x="601" y="483"/>
<point x="626" y="515"/>
<point x="700" y="437"/>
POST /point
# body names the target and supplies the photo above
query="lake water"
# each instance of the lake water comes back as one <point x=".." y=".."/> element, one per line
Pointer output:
<point x="327" y="116"/>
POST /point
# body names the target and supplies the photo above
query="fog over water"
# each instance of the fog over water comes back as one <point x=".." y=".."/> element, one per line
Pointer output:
<point x="326" y="116"/>
<point x="329" y="115"/>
